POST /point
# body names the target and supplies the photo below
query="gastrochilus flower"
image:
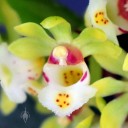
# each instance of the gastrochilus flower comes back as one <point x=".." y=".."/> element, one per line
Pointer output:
<point x="97" y="16"/>
<point x="16" y="72"/>
<point x="66" y="76"/>
<point x="67" y="81"/>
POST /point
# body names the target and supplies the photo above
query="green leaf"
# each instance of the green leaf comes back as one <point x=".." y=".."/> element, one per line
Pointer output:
<point x="115" y="112"/>
<point x="30" y="48"/>
<point x="101" y="103"/>
<point x="6" y="106"/>
<point x="51" y="122"/>
<point x="41" y="9"/>
<point x="35" y="31"/>
<point x="86" y="123"/>
<point x="59" y="27"/>
<point x="10" y="19"/>
<point x="109" y="86"/>
<point x="125" y="65"/>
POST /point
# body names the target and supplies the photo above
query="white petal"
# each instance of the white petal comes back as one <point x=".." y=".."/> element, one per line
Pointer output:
<point x="14" y="93"/>
<point x="64" y="100"/>
<point x="56" y="74"/>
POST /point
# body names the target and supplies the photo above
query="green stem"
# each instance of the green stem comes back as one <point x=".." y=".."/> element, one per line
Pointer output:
<point x="10" y="18"/>
<point x="95" y="70"/>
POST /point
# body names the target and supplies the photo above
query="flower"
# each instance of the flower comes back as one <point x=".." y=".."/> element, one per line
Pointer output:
<point x="65" y="55"/>
<point x="15" y="73"/>
<point x="68" y="89"/>
<point x="96" y="16"/>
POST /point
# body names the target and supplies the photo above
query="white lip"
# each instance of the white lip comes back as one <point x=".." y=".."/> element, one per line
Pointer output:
<point x="52" y="71"/>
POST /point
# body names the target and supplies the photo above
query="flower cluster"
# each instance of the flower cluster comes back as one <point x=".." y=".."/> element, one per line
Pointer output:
<point x="62" y="84"/>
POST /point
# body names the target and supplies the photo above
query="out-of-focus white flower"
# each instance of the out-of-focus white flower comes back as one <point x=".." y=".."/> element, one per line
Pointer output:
<point x="96" y="16"/>
<point x="15" y="73"/>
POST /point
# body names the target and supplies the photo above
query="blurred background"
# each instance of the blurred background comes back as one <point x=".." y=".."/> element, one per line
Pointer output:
<point x="36" y="11"/>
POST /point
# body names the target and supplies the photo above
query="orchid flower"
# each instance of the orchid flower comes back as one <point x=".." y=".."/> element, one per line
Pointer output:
<point x="67" y="89"/>
<point x="66" y="75"/>
<point x="15" y="73"/>
<point x="96" y="16"/>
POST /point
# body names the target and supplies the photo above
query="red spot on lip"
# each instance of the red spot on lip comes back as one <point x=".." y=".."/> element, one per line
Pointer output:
<point x="45" y="77"/>
<point x="84" y="76"/>
<point x="52" y="60"/>
<point x="74" y="56"/>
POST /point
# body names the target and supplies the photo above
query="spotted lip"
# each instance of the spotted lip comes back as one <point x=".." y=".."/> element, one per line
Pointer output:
<point x="66" y="75"/>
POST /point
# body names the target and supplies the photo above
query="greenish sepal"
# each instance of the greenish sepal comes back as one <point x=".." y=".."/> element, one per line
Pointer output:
<point x="35" y="31"/>
<point x="109" y="86"/>
<point x="30" y="48"/>
<point x="115" y="113"/>
<point x="59" y="27"/>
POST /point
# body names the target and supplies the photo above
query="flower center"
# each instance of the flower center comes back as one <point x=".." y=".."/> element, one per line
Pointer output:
<point x="100" y="18"/>
<point x="70" y="75"/>
<point x="65" y="55"/>
<point x="60" y="53"/>
<point x="63" y="100"/>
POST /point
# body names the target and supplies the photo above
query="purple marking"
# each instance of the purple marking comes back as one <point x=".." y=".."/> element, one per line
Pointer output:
<point x="84" y="76"/>
<point x="45" y="77"/>
<point x="53" y="60"/>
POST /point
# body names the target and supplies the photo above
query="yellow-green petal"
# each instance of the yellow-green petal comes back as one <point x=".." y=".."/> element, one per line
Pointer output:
<point x="35" y="31"/>
<point x="115" y="112"/>
<point x="94" y="41"/>
<point x="125" y="65"/>
<point x="30" y="48"/>
<point x="100" y="103"/>
<point x="59" y="27"/>
<point x="6" y="106"/>
<point x="109" y="86"/>
<point x="111" y="64"/>
<point x="89" y="34"/>
<point x="86" y="123"/>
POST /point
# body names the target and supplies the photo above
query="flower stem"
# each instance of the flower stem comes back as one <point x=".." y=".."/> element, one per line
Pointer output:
<point x="95" y="70"/>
